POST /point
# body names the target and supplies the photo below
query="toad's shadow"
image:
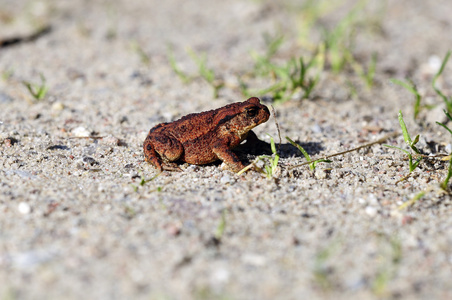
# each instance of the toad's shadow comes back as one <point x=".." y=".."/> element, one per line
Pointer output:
<point x="258" y="147"/>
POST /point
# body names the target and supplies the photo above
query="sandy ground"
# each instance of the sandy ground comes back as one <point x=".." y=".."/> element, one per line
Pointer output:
<point x="76" y="223"/>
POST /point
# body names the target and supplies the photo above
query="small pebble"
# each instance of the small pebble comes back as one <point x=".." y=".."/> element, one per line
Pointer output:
<point x="57" y="106"/>
<point x="434" y="62"/>
<point x="371" y="211"/>
<point x="320" y="174"/>
<point x="174" y="229"/>
<point x="8" y="142"/>
<point x="24" y="208"/>
<point x="226" y="179"/>
<point x="110" y="140"/>
<point x="316" y="128"/>
<point x="407" y="220"/>
<point x="448" y="148"/>
<point x="80" y="132"/>
<point x="362" y="201"/>
<point x="254" y="259"/>
<point x="220" y="276"/>
<point x="372" y="199"/>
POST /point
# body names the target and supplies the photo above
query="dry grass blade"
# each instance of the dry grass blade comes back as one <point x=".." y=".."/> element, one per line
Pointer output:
<point x="379" y="141"/>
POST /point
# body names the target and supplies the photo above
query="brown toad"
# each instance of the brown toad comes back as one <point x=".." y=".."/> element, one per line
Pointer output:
<point x="205" y="137"/>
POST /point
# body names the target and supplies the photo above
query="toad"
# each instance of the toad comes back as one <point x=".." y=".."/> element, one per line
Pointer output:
<point x="205" y="137"/>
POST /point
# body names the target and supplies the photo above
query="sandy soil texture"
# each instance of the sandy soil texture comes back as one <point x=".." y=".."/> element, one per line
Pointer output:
<point x="82" y="215"/>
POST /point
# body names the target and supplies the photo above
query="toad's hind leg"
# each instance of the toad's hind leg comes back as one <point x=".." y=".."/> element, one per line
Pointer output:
<point x="160" y="150"/>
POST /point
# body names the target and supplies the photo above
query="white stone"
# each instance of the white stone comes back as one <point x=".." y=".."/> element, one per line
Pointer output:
<point x="80" y="132"/>
<point x="226" y="179"/>
<point x="254" y="259"/>
<point x="24" y="208"/>
<point x="371" y="211"/>
<point x="448" y="148"/>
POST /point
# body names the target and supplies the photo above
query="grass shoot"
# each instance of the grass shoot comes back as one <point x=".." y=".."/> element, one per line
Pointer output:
<point x="367" y="75"/>
<point x="206" y="73"/>
<point x="338" y="41"/>
<point x="443" y="125"/>
<point x="270" y="169"/>
<point x="270" y="162"/>
<point x="221" y="226"/>
<point x="7" y="74"/>
<point x="289" y="78"/>
<point x="312" y="164"/>
<point x="445" y="184"/>
<point x="411" y="87"/>
<point x="143" y="181"/>
<point x="412" y="201"/>
<point x="413" y="164"/>
<point x="144" y="57"/>
<point x="389" y="256"/>
<point x="38" y="91"/>
<point x="176" y="69"/>
<point x="262" y="63"/>
<point x="447" y="100"/>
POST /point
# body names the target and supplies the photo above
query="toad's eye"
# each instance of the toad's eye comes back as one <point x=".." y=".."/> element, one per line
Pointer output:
<point x="251" y="112"/>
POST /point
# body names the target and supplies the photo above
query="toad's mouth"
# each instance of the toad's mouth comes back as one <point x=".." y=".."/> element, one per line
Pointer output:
<point x="263" y="116"/>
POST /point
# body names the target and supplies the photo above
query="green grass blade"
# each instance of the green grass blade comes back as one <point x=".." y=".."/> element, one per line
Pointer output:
<point x="371" y="71"/>
<point x="272" y="89"/>
<point x="200" y="60"/>
<point x="275" y="162"/>
<point x="172" y="61"/>
<point x="441" y="69"/>
<point x="414" y="165"/>
<point x="306" y="155"/>
<point x="411" y="87"/>
<point x="412" y="146"/>
<point x="446" y="100"/>
<point x="314" y="163"/>
<point x="29" y="88"/>
<point x="221" y="226"/>
<point x="272" y="144"/>
<point x="448" y="115"/>
<point x="445" y="183"/>
<point x="405" y="133"/>
<point x="268" y="171"/>
<point x="417" y="105"/>
<point x="42" y="91"/>
<point x="447" y="128"/>
<point x="408" y="86"/>
<point x="395" y="147"/>
<point x="273" y="44"/>
<point x="412" y="201"/>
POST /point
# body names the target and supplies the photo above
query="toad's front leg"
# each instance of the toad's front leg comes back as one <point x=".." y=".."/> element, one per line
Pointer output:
<point x="222" y="151"/>
<point x="160" y="150"/>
